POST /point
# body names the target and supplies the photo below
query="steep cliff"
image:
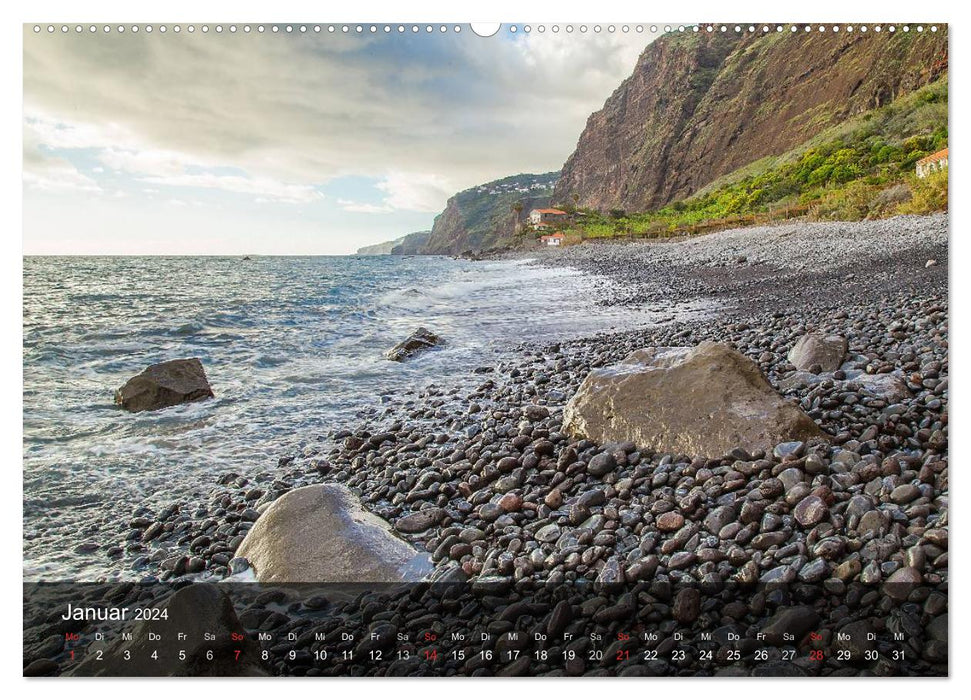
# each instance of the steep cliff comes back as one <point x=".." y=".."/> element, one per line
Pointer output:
<point x="483" y="217"/>
<point x="700" y="106"/>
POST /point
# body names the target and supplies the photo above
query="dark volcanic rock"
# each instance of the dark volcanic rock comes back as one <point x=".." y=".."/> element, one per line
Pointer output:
<point x="165" y="384"/>
<point x="419" y="341"/>
<point x="810" y="511"/>
<point x="420" y="520"/>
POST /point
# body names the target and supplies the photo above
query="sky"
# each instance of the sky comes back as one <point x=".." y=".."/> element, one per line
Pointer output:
<point x="290" y="143"/>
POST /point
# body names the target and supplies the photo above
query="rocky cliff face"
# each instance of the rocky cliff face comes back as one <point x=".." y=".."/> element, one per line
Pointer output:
<point x="482" y="217"/>
<point x="699" y="106"/>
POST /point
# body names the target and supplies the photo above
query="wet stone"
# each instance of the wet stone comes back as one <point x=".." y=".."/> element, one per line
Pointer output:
<point x="788" y="450"/>
<point x="601" y="464"/>
<point x="905" y="493"/>
<point x="810" y="511"/>
<point x="548" y="533"/>
<point x="670" y="522"/>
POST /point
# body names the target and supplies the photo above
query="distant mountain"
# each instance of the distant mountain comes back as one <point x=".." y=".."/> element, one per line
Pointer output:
<point x="483" y="217"/>
<point x="412" y="244"/>
<point x="700" y="106"/>
<point x="409" y="244"/>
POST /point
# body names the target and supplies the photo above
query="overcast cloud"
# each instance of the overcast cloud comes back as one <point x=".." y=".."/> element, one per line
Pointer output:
<point x="290" y="143"/>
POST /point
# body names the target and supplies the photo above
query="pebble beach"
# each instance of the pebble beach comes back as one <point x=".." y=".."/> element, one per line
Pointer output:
<point x="487" y="483"/>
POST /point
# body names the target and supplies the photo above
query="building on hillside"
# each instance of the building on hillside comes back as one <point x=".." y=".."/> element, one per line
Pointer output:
<point x="932" y="163"/>
<point x="555" y="239"/>
<point x="544" y="218"/>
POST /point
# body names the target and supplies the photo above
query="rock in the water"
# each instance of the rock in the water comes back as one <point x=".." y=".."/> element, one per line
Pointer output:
<point x="704" y="400"/>
<point x="827" y="351"/>
<point x="419" y="341"/>
<point x="165" y="384"/>
<point x="321" y="534"/>
<point x="195" y="612"/>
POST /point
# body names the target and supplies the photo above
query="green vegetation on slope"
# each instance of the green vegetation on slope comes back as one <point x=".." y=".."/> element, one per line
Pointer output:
<point x="862" y="168"/>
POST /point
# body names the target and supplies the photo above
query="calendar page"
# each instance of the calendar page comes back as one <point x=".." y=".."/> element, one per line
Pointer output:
<point x="461" y="350"/>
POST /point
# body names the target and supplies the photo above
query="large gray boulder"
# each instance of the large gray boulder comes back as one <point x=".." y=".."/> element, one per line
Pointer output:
<point x="165" y="384"/>
<point x="193" y="611"/>
<point x="321" y="534"/>
<point x="812" y="349"/>
<point x="419" y="341"/>
<point x="705" y="401"/>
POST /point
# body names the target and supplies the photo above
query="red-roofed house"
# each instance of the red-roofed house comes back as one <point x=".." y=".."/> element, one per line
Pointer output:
<point x="554" y="239"/>
<point x="932" y="163"/>
<point x="541" y="218"/>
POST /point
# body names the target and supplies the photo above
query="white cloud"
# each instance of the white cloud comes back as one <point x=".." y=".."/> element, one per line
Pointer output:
<point x="121" y="151"/>
<point x="363" y="207"/>
<point x="262" y="188"/>
<point x="56" y="175"/>
<point x="306" y="109"/>
<point x="40" y="128"/>
<point x="416" y="191"/>
<point x="147" y="161"/>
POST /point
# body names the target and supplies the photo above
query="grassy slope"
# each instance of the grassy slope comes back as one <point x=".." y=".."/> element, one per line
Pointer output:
<point x="862" y="168"/>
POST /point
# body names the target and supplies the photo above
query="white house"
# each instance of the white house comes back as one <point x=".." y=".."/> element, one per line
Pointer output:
<point x="555" y="239"/>
<point x="932" y="163"/>
<point x="547" y="217"/>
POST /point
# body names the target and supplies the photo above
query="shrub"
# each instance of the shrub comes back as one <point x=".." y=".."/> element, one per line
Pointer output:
<point x="928" y="194"/>
<point x="889" y="199"/>
<point x="849" y="203"/>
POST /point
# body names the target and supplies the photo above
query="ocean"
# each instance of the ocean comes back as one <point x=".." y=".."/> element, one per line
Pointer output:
<point x="293" y="347"/>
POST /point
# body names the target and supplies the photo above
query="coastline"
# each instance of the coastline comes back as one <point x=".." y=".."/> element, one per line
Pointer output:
<point x="767" y="305"/>
<point x="504" y="495"/>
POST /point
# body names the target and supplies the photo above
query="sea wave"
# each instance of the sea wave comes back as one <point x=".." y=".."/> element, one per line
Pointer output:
<point x="292" y="347"/>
